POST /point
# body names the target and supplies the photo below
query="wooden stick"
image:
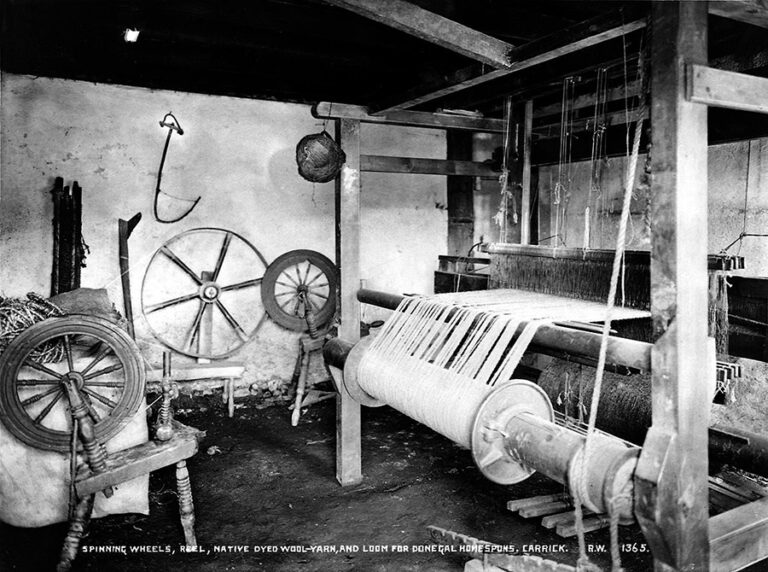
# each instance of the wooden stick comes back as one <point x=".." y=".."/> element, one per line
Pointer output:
<point x="124" y="230"/>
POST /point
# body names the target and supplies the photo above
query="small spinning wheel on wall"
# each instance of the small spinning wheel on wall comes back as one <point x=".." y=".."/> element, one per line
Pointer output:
<point x="200" y="294"/>
<point x="66" y="360"/>
<point x="298" y="281"/>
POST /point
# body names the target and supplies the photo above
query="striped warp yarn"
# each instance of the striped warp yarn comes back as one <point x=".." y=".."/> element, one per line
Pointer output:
<point x="436" y="362"/>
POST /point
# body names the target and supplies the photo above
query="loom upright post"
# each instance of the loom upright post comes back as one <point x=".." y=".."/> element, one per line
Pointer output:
<point x="671" y="478"/>
<point x="348" y="439"/>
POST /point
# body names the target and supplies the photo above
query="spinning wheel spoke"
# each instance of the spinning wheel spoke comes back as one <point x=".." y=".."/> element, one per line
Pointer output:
<point x="289" y="277"/>
<point x="319" y="274"/>
<point x="306" y="274"/>
<point x="291" y="286"/>
<point x="180" y="263"/>
<point x="286" y="294"/>
<point x="105" y="384"/>
<point x="40" y="367"/>
<point x="323" y="285"/>
<point x="35" y="398"/>
<point x="44" y="413"/>
<point x="231" y="320"/>
<point x="99" y="356"/>
<point x="98" y="397"/>
<point x="106" y="370"/>
<point x="171" y="302"/>
<point x="195" y="329"/>
<point x="287" y="302"/>
<point x="240" y="285"/>
<point x="33" y="382"/>
<point x="68" y="351"/>
<point x="296" y="307"/>
<point x="222" y="255"/>
<point x="321" y="296"/>
<point x="298" y="275"/>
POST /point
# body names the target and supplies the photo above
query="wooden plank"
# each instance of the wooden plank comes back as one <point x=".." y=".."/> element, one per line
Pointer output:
<point x="583" y="35"/>
<point x="753" y="12"/>
<point x="739" y="537"/>
<point x="330" y="110"/>
<point x="130" y="463"/>
<point x="433" y="28"/>
<point x="348" y="431"/>
<point x="731" y="90"/>
<point x="515" y="505"/>
<point x="193" y="371"/>
<point x="386" y="164"/>
<point x="525" y="206"/>
<point x="671" y="493"/>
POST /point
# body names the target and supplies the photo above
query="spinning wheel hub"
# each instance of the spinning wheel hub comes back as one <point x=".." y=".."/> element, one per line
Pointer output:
<point x="75" y="378"/>
<point x="209" y="292"/>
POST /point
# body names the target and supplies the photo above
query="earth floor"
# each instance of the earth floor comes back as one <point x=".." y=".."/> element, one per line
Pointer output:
<point x="266" y="498"/>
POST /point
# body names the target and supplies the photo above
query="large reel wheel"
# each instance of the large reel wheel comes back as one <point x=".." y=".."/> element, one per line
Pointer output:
<point x="296" y="281"/>
<point x="200" y="294"/>
<point x="99" y="359"/>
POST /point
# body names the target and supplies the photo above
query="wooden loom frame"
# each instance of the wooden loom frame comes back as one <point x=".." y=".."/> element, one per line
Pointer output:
<point x="671" y="480"/>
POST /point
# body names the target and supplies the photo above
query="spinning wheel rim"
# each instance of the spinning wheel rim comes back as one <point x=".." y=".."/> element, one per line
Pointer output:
<point x="305" y="283"/>
<point x="16" y="356"/>
<point x="208" y="294"/>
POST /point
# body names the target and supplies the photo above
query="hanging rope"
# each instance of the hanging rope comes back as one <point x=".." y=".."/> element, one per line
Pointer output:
<point x="596" y="170"/>
<point x="579" y="482"/>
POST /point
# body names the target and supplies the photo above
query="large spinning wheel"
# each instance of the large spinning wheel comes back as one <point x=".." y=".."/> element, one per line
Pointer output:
<point x="95" y="361"/>
<point x="200" y="294"/>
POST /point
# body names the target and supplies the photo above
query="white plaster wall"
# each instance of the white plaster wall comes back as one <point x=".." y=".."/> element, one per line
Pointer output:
<point x="404" y="222"/>
<point x="237" y="153"/>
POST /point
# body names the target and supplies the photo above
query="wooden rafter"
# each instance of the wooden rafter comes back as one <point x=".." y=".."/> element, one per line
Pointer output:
<point x="581" y="36"/>
<point x="433" y="28"/>
<point x="753" y="12"/>
<point x="328" y="110"/>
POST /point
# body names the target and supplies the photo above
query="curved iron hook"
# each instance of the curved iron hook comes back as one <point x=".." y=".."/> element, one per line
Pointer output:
<point x="172" y="124"/>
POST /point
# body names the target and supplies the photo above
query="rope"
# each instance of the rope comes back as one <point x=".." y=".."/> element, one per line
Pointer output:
<point x="579" y="481"/>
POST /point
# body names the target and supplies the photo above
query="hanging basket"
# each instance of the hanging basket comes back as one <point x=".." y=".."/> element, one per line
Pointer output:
<point x="319" y="157"/>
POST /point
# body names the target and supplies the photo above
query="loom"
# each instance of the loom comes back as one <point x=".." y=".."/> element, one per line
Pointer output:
<point x="443" y="373"/>
<point x="448" y="362"/>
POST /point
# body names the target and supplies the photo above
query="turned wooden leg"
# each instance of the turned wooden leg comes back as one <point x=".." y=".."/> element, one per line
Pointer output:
<point x="77" y="524"/>
<point x="300" y="388"/>
<point x="186" y="506"/>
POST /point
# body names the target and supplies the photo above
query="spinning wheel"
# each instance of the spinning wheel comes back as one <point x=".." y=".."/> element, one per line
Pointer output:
<point x="297" y="281"/>
<point x="100" y="364"/>
<point x="200" y="292"/>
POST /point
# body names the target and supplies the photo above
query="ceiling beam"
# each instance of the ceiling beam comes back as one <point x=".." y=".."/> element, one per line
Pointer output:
<point x="578" y="37"/>
<point x="433" y="28"/>
<point x="328" y="110"/>
<point x="753" y="12"/>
